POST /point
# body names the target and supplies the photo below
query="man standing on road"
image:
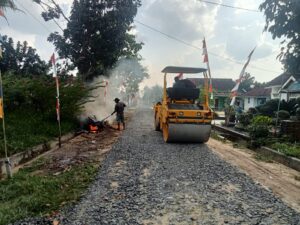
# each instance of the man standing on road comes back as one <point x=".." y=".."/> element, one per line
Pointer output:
<point x="119" y="109"/>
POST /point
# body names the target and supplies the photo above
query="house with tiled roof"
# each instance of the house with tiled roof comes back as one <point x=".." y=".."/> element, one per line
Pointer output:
<point x="256" y="97"/>
<point x="292" y="90"/>
<point x="279" y="85"/>
<point x="221" y="89"/>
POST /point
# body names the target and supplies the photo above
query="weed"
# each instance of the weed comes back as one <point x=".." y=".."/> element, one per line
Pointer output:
<point x="27" y="195"/>
<point x="288" y="149"/>
<point x="263" y="158"/>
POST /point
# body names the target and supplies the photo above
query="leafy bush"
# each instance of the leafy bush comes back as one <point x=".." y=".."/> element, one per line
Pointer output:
<point x="252" y="111"/>
<point x="283" y="115"/>
<point x="30" y="110"/>
<point x="259" y="129"/>
<point x="271" y="107"/>
<point x="287" y="149"/>
<point x="245" y="119"/>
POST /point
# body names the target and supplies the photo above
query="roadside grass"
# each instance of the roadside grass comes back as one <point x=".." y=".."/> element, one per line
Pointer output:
<point x="217" y="136"/>
<point x="287" y="149"/>
<point x="263" y="158"/>
<point x="27" y="129"/>
<point x="27" y="195"/>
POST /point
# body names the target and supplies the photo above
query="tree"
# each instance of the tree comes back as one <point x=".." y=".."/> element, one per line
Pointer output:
<point x="97" y="35"/>
<point x="129" y="73"/>
<point x="7" y="4"/>
<point x="22" y="59"/>
<point x="153" y="94"/>
<point x="248" y="82"/>
<point x="282" y="20"/>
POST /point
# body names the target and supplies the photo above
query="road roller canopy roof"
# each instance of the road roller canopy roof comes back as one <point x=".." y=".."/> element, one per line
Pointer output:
<point x="175" y="69"/>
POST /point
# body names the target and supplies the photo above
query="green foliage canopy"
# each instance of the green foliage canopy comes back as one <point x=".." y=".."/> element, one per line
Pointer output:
<point x="283" y="21"/>
<point x="98" y="35"/>
<point x="21" y="59"/>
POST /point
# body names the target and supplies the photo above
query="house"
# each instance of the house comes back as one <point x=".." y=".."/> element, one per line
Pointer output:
<point x="256" y="97"/>
<point x="221" y="90"/>
<point x="280" y="83"/>
<point x="292" y="90"/>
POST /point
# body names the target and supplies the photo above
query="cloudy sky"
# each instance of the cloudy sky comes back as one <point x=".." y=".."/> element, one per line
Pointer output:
<point x="230" y="34"/>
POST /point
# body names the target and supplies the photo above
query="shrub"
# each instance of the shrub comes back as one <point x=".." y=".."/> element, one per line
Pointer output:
<point x="283" y="115"/>
<point x="287" y="149"/>
<point x="245" y="119"/>
<point x="252" y="111"/>
<point x="259" y="130"/>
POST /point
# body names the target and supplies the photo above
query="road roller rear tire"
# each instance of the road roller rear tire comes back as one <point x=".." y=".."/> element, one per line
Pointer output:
<point x="188" y="133"/>
<point x="157" y="123"/>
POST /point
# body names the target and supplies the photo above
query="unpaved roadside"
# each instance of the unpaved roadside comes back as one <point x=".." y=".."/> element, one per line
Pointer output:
<point x="277" y="177"/>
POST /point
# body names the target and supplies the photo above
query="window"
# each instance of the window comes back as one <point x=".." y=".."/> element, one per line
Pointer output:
<point x="261" y="101"/>
<point x="248" y="100"/>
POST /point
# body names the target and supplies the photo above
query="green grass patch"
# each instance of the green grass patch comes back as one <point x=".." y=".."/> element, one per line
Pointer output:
<point x="288" y="149"/>
<point x="27" y="128"/>
<point x="263" y="158"/>
<point x="27" y="195"/>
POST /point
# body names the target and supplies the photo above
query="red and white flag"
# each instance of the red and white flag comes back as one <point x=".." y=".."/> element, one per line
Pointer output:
<point x="205" y="53"/>
<point x="53" y="61"/>
<point x="105" y="91"/>
<point x="205" y="60"/>
<point x="234" y="91"/>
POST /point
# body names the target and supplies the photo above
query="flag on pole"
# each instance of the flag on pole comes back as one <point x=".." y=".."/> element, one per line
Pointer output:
<point x="235" y="89"/>
<point x="205" y="54"/>
<point x="57" y="105"/>
<point x="2" y="13"/>
<point x="205" y="60"/>
<point x="53" y="61"/>
<point x="105" y="91"/>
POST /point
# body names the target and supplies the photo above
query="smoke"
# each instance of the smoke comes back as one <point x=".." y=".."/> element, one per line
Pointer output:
<point x="123" y="83"/>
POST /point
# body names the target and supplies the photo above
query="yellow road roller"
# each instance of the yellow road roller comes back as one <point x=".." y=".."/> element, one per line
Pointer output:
<point x="184" y="116"/>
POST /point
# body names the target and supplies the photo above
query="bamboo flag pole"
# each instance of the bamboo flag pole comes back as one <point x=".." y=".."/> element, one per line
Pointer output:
<point x="57" y="97"/>
<point x="205" y="53"/>
<point x="7" y="162"/>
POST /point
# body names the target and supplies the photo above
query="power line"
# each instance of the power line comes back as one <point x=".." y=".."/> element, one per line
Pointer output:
<point x="198" y="48"/>
<point x="34" y="17"/>
<point x="228" y="6"/>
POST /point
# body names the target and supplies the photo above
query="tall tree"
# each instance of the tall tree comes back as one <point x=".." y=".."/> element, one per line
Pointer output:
<point x="22" y="59"/>
<point x="98" y="35"/>
<point x="7" y="4"/>
<point x="128" y="74"/>
<point x="283" y="21"/>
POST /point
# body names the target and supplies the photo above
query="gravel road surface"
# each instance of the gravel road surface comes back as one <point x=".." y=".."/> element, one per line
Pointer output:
<point x="145" y="181"/>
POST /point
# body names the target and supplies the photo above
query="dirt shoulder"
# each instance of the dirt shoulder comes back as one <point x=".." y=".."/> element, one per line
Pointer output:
<point x="282" y="180"/>
<point x="56" y="178"/>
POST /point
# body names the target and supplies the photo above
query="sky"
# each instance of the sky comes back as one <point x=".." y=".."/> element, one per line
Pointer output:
<point x="230" y="34"/>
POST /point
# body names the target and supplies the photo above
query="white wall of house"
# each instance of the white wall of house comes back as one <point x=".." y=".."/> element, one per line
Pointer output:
<point x="249" y="102"/>
<point x="294" y="95"/>
<point x="276" y="95"/>
<point x="252" y="102"/>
